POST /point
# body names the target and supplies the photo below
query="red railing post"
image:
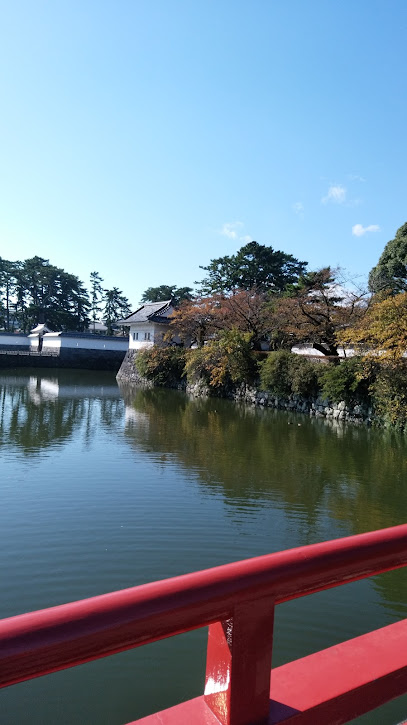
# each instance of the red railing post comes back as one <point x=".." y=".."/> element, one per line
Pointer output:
<point x="237" y="685"/>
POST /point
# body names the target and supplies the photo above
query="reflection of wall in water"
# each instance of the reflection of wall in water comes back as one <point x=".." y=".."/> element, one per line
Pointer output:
<point x="40" y="411"/>
<point x="134" y="418"/>
<point x="41" y="388"/>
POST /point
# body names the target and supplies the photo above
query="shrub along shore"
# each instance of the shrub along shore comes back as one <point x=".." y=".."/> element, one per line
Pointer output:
<point x="355" y="389"/>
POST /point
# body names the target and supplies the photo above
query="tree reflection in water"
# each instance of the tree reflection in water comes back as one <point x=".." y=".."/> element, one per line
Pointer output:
<point x="39" y="411"/>
<point x="354" y="474"/>
<point x="159" y="483"/>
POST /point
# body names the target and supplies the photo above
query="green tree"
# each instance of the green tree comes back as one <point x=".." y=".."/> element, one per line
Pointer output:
<point x="73" y="302"/>
<point x="161" y="365"/>
<point x="7" y="289"/>
<point x="284" y="373"/>
<point x="96" y="294"/>
<point x="48" y="294"/>
<point x="350" y="381"/>
<point x="390" y="273"/>
<point x="223" y="363"/>
<point x="20" y="297"/>
<point x="253" y="266"/>
<point x="116" y="305"/>
<point x="167" y="292"/>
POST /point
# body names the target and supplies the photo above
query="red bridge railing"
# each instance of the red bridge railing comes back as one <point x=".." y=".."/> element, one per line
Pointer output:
<point x="237" y="602"/>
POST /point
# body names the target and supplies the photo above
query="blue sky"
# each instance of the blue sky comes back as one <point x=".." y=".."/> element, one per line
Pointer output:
<point x="141" y="138"/>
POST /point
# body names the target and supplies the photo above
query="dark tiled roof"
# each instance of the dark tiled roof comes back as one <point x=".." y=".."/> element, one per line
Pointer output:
<point x="13" y="334"/>
<point x="159" y="318"/>
<point x="91" y="336"/>
<point x="150" y="312"/>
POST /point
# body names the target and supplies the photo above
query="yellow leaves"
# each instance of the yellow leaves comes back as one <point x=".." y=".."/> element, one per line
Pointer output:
<point x="383" y="330"/>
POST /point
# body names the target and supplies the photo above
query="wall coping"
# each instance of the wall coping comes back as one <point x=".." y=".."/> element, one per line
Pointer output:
<point x="13" y="334"/>
<point x="86" y="336"/>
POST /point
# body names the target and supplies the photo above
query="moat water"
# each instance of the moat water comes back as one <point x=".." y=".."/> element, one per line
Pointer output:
<point x="103" y="488"/>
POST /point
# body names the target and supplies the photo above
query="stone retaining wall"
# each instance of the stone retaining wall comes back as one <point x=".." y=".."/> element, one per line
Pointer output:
<point x="317" y="407"/>
<point x="128" y="372"/>
<point x="13" y="348"/>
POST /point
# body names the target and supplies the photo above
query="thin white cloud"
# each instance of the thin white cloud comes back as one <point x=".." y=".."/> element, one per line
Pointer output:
<point x="233" y="230"/>
<point x="230" y="229"/>
<point x="336" y="194"/>
<point x="298" y="208"/>
<point x="358" y="230"/>
<point x="356" y="177"/>
<point x="354" y="202"/>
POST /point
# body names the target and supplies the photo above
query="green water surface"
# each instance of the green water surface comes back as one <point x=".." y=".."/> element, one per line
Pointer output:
<point x="103" y="488"/>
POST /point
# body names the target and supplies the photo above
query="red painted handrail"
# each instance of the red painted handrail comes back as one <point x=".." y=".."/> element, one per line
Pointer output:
<point x="236" y="599"/>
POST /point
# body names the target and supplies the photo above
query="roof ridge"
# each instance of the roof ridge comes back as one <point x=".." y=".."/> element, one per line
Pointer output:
<point x="148" y="310"/>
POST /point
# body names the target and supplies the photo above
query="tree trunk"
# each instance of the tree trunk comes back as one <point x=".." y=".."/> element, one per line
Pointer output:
<point x="326" y="349"/>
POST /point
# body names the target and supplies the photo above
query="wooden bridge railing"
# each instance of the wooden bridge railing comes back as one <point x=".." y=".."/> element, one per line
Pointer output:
<point x="237" y="602"/>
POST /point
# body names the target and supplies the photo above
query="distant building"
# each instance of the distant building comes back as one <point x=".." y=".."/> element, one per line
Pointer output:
<point x="148" y="325"/>
<point x="98" y="327"/>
